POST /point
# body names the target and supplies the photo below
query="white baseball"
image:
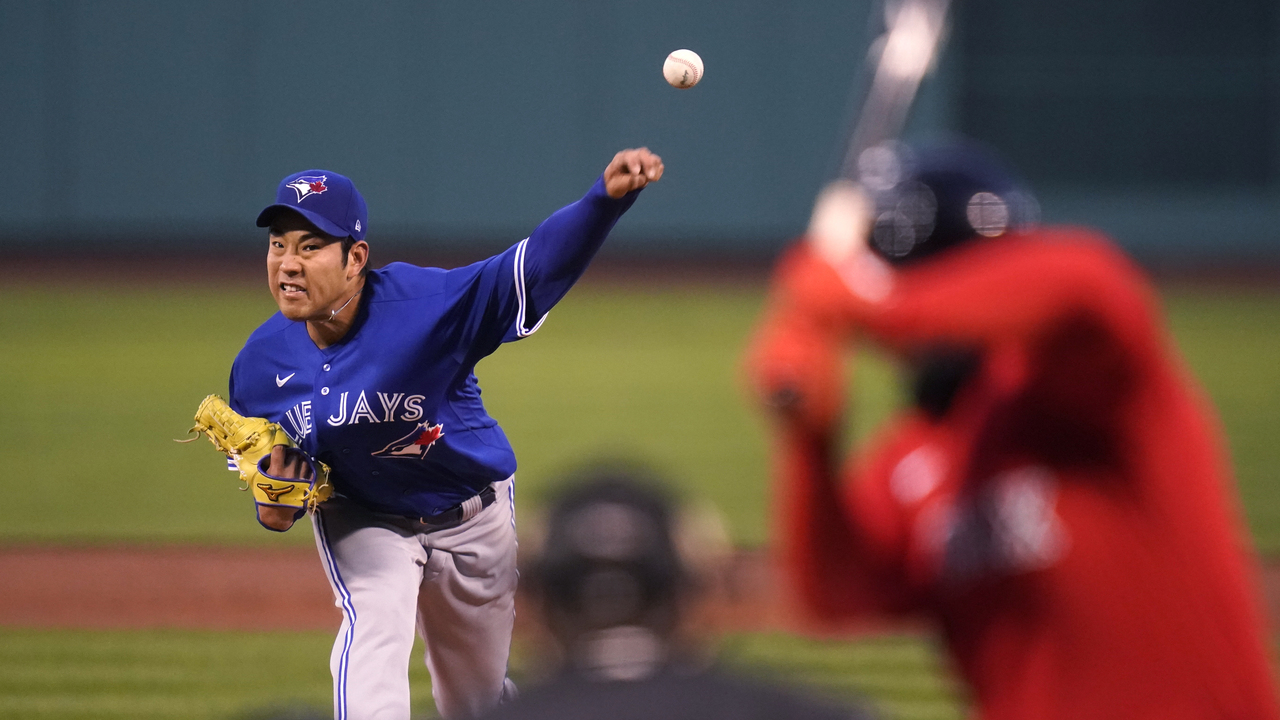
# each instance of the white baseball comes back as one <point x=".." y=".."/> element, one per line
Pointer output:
<point x="683" y="69"/>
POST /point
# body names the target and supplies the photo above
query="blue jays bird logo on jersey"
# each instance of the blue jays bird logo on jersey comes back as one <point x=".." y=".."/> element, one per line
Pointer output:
<point x="309" y="185"/>
<point x="416" y="443"/>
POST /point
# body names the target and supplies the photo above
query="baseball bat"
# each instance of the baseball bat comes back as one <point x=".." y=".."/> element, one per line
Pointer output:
<point x="897" y="62"/>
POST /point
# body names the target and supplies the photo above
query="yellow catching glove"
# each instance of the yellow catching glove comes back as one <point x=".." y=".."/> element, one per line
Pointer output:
<point x="249" y="441"/>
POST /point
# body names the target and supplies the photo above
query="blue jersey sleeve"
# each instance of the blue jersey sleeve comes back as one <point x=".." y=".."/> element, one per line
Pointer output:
<point x="559" y="250"/>
<point x="232" y="399"/>
<point x="509" y="295"/>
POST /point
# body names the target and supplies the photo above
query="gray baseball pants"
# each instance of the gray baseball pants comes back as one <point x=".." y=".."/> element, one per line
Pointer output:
<point x="456" y="586"/>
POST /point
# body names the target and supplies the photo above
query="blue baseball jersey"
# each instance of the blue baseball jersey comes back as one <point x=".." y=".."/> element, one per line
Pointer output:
<point x="394" y="408"/>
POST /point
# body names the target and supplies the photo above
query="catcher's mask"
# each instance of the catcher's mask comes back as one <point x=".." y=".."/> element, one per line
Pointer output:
<point x="933" y="198"/>
<point x="609" y="557"/>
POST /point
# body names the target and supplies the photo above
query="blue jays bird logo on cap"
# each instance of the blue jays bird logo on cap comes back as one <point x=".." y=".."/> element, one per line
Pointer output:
<point x="309" y="185"/>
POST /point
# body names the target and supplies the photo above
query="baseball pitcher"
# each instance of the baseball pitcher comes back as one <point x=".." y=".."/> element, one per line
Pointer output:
<point x="358" y="402"/>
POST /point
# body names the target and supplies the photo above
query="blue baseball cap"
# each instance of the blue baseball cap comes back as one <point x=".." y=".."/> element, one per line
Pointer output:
<point x="328" y="200"/>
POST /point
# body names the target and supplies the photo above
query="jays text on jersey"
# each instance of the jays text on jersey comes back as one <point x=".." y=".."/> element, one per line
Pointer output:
<point x="394" y="408"/>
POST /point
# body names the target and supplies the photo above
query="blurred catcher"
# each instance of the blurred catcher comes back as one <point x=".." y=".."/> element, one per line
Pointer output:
<point x="615" y="580"/>
<point x="1056" y="499"/>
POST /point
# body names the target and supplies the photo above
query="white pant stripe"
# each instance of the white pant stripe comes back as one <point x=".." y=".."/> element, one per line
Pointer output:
<point x="335" y="578"/>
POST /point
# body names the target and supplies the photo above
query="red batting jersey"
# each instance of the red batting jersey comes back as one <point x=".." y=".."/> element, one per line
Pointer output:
<point x="1069" y="521"/>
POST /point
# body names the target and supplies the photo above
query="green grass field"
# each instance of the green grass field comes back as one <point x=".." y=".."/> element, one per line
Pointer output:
<point x="155" y="675"/>
<point x="96" y="381"/>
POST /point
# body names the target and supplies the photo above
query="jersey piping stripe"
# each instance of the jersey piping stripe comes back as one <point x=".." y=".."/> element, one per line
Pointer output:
<point x="335" y="579"/>
<point x="520" y="293"/>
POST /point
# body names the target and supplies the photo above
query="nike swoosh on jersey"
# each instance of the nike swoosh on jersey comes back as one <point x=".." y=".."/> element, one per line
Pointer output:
<point x="281" y="381"/>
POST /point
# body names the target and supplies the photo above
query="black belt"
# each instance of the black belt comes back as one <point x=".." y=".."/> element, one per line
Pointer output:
<point x="463" y="511"/>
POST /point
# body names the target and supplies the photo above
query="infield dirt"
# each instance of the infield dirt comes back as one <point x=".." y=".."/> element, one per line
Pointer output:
<point x="238" y="588"/>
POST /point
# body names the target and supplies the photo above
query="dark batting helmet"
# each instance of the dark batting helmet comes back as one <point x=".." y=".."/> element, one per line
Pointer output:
<point x="933" y="198"/>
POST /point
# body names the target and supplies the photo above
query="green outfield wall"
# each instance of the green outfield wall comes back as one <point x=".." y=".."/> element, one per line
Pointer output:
<point x="127" y="125"/>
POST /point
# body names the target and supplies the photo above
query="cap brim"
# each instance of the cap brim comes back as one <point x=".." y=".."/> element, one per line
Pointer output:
<point x="269" y="213"/>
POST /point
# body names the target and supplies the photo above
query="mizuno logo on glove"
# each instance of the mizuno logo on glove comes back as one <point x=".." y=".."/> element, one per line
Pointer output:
<point x="273" y="493"/>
